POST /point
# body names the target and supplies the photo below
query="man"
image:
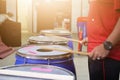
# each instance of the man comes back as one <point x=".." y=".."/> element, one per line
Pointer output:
<point x="103" y="30"/>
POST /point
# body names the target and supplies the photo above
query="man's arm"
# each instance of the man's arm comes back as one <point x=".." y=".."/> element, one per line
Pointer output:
<point x="114" y="37"/>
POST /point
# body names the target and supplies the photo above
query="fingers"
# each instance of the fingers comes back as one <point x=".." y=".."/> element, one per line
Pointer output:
<point x="96" y="56"/>
<point x="98" y="53"/>
<point x="93" y="55"/>
<point x="85" y="41"/>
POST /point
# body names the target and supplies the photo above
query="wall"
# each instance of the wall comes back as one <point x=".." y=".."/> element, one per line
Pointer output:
<point x="77" y="12"/>
<point x="85" y="7"/>
<point x="11" y="7"/>
<point x="25" y="14"/>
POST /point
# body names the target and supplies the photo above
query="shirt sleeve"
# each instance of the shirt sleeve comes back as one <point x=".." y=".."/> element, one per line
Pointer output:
<point x="117" y="4"/>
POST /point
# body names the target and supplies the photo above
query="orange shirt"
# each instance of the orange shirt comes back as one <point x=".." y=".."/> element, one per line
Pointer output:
<point x="102" y="19"/>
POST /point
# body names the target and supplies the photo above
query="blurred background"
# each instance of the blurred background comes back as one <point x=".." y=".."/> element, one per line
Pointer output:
<point x="30" y="17"/>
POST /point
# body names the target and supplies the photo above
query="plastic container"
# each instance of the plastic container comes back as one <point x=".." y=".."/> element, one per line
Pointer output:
<point x="81" y="27"/>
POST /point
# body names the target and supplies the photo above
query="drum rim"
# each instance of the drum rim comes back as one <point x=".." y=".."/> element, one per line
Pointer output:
<point x="42" y="65"/>
<point x="59" y="42"/>
<point x="61" y="56"/>
<point x="57" y="34"/>
<point x="48" y="42"/>
<point x="51" y="32"/>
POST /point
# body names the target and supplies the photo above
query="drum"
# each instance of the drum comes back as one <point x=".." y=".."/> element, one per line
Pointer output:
<point x="35" y="54"/>
<point x="41" y="70"/>
<point x="59" y="32"/>
<point x="46" y="40"/>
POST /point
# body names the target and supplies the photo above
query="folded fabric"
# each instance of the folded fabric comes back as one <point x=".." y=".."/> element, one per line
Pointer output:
<point x="7" y="53"/>
<point x="5" y="50"/>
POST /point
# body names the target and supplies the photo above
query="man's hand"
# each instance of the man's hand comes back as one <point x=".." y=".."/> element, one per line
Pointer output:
<point x="98" y="52"/>
<point x="85" y="41"/>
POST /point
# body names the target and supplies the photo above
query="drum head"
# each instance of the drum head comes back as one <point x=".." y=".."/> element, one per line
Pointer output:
<point x="43" y="40"/>
<point x="43" y="51"/>
<point x="35" y="68"/>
